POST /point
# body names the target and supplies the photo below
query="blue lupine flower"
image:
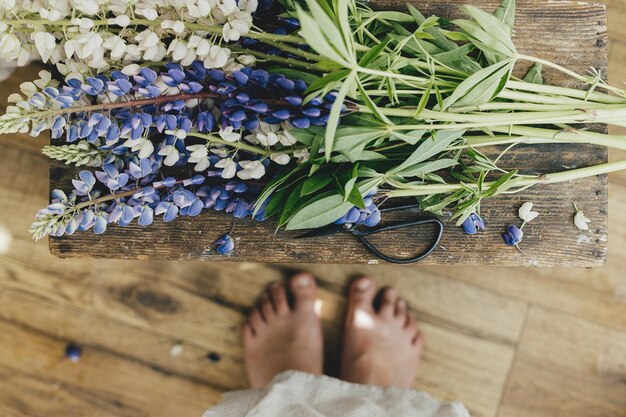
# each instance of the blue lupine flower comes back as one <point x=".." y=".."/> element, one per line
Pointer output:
<point x="473" y="223"/>
<point x="73" y="352"/>
<point x="369" y="216"/>
<point x="224" y="245"/>
<point x="513" y="235"/>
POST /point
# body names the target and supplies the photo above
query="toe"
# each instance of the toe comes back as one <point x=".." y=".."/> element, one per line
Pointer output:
<point x="400" y="308"/>
<point x="388" y="303"/>
<point x="266" y="307"/>
<point x="411" y="326"/>
<point x="279" y="298"/>
<point x="304" y="291"/>
<point x="360" y="299"/>
<point x="256" y="320"/>
<point x="418" y="340"/>
<point x="248" y="334"/>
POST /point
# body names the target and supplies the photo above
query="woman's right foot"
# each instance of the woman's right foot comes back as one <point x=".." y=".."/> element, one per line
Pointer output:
<point x="380" y="347"/>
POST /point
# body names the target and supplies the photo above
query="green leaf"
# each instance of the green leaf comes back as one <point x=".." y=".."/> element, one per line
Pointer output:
<point x="506" y="14"/>
<point x="493" y="26"/>
<point x="411" y="137"/>
<point x="392" y="16"/>
<point x="360" y="155"/>
<point x="423" y="100"/>
<point x="534" y="74"/>
<point x="329" y="28"/>
<point x="291" y="205"/>
<point x="306" y="136"/>
<point x="355" y="197"/>
<point x="347" y="137"/>
<point x="373" y="53"/>
<point x="315" y="183"/>
<point x="438" y="38"/>
<point x="429" y="148"/>
<point x="327" y="79"/>
<point x="319" y="213"/>
<point x="276" y="203"/>
<point x="459" y="59"/>
<point x="455" y="36"/>
<point x="371" y="105"/>
<point x="483" y="85"/>
<point x="335" y="113"/>
<point x="273" y="185"/>
<point x="419" y="170"/>
<point x="315" y="36"/>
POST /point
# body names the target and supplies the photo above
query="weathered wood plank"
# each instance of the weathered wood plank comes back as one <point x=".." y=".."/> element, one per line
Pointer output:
<point x="579" y="44"/>
<point x="100" y="381"/>
<point x="566" y="367"/>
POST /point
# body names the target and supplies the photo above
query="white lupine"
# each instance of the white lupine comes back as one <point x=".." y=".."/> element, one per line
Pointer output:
<point x="229" y="135"/>
<point x="525" y="212"/>
<point x="171" y="155"/>
<point x="85" y="45"/>
<point x="251" y="170"/>
<point x="199" y="156"/>
<point x="302" y="155"/>
<point x="45" y="43"/>
<point x="580" y="220"/>
<point x="280" y="158"/>
<point x="229" y="167"/>
<point x="116" y="45"/>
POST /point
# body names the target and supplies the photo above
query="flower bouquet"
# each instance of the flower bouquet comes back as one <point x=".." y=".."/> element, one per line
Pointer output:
<point x="309" y="111"/>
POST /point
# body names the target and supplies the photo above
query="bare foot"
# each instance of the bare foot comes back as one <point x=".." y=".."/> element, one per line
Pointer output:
<point x="278" y="338"/>
<point x="380" y="347"/>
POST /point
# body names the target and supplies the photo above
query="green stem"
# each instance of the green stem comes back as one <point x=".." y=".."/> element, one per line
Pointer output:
<point x="241" y="145"/>
<point x="564" y="91"/>
<point x="606" y="114"/>
<point x="537" y="98"/>
<point x="145" y="22"/>
<point x="551" y="178"/>
<point x="276" y="58"/>
<point x="569" y="72"/>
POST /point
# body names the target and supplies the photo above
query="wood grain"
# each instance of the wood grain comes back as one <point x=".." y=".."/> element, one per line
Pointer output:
<point x="550" y="240"/>
<point x="566" y="367"/>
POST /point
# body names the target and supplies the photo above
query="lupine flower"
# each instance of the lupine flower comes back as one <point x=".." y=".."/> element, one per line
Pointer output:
<point x="513" y="235"/>
<point x="525" y="212"/>
<point x="72" y="36"/>
<point x="472" y="224"/>
<point x="73" y="352"/>
<point x="224" y="245"/>
<point x="369" y="216"/>
<point x="580" y="220"/>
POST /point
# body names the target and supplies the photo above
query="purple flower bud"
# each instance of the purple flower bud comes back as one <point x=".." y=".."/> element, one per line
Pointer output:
<point x="195" y="208"/>
<point x="373" y="218"/>
<point x="301" y="123"/>
<point x="240" y="77"/>
<point x="146" y="217"/>
<point x="225" y="244"/>
<point x="282" y="114"/>
<point x="513" y="235"/>
<point x="472" y="224"/>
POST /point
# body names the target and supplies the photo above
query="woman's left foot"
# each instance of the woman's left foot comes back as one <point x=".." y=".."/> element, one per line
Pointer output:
<point x="278" y="338"/>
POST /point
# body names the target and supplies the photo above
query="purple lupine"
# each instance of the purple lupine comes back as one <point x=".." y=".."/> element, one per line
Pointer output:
<point x="513" y="235"/>
<point x="473" y="224"/>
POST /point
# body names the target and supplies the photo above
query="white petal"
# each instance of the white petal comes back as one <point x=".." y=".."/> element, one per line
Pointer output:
<point x="524" y="210"/>
<point x="580" y="221"/>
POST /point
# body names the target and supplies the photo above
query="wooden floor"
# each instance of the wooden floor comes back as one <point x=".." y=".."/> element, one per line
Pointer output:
<point x="506" y="342"/>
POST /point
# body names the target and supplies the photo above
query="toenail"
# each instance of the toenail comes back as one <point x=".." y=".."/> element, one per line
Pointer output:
<point x="363" y="284"/>
<point x="303" y="281"/>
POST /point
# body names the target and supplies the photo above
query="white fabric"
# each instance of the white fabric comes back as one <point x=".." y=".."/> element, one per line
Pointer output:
<point x="298" y="394"/>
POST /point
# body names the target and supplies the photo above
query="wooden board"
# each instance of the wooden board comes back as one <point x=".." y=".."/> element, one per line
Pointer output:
<point x="569" y="33"/>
